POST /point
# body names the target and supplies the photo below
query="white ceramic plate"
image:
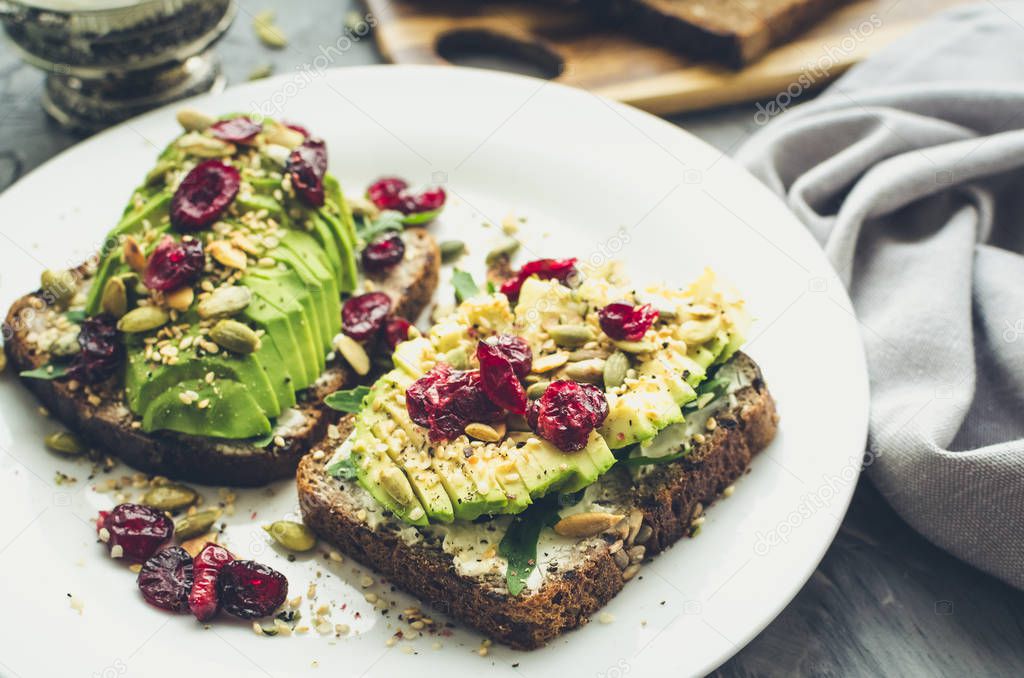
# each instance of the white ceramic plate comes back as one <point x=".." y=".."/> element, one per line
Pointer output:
<point x="594" y="179"/>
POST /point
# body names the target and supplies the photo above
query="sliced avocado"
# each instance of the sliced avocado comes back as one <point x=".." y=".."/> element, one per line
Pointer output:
<point x="274" y="363"/>
<point x="290" y="338"/>
<point x="329" y="242"/>
<point x="340" y="215"/>
<point x="232" y="412"/>
<point x="383" y="479"/>
<point x="146" y="380"/>
<point x="348" y="273"/>
<point x="545" y="468"/>
<point x="282" y="289"/>
<point x="315" y="281"/>
<point x="316" y="262"/>
<point x="468" y="503"/>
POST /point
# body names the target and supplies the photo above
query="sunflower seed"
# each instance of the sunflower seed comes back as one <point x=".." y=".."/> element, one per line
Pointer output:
<point x="586" y="524"/>
<point x="537" y="390"/>
<point x="59" y="285"/>
<point x="133" y="255"/>
<point x="353" y="353"/>
<point x="227" y="254"/>
<point x="201" y="146"/>
<point x="586" y="371"/>
<point x="268" y="33"/>
<point x="486" y="432"/>
<point x="621" y="559"/>
<point x="546" y="363"/>
<point x="635" y="346"/>
<point x="286" y="137"/>
<point x="180" y="299"/>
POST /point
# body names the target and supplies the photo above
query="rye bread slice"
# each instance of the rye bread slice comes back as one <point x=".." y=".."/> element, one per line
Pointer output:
<point x="733" y="32"/>
<point x="100" y="415"/>
<point x="662" y="506"/>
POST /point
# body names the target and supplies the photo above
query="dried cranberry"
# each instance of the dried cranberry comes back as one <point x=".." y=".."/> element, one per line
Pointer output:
<point x="239" y="130"/>
<point x="383" y="253"/>
<point x="396" y="330"/>
<point x="101" y="352"/>
<point x="445" y="400"/>
<point x="250" y="590"/>
<point x="166" y="578"/>
<point x="307" y="166"/>
<point x="174" y="264"/>
<point x="387" y="192"/>
<point x="203" y="195"/>
<point x="431" y="199"/>
<point x="562" y="270"/>
<point x="625" y="322"/>
<point x="363" y="316"/>
<point x="138" y="530"/>
<point x="499" y="379"/>
<point x="518" y="352"/>
<point x="202" y="599"/>
<point x="567" y="413"/>
<point x="298" y="128"/>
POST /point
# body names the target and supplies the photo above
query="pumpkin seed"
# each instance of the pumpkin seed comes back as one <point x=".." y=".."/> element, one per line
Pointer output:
<point x="133" y="255"/>
<point x="615" y="368"/>
<point x="180" y="299"/>
<point x="280" y="135"/>
<point x="64" y="442"/>
<point x="226" y="300"/>
<point x="587" y="354"/>
<point x="143" y="319"/>
<point x="452" y="250"/>
<point x="59" y="285"/>
<point x="486" y="432"/>
<point x="635" y="346"/>
<point x="353" y="353"/>
<point x="158" y="175"/>
<point x="115" y="297"/>
<point x="571" y="336"/>
<point x="291" y="535"/>
<point x="505" y="248"/>
<point x="537" y="390"/>
<point x="586" y="524"/>
<point x="170" y="497"/>
<point x="196" y="524"/>
<point x="227" y="254"/>
<point x="235" y="336"/>
<point x="395" y="484"/>
<point x="261" y="72"/>
<point x="457" y="358"/>
<point x="549" y="362"/>
<point x="194" y="121"/>
<point x="201" y="146"/>
<point x="586" y="371"/>
<point x="268" y="33"/>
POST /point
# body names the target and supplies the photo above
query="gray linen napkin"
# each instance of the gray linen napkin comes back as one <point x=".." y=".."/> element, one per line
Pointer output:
<point x="909" y="171"/>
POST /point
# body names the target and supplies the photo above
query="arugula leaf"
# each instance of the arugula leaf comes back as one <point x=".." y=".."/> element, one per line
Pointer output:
<point x="633" y="462"/>
<point x="491" y="289"/>
<point x="519" y="545"/>
<point x="46" y="372"/>
<point x="344" y="468"/>
<point x="76" y="316"/>
<point x="347" y="401"/>
<point x="465" y="286"/>
<point x="387" y="221"/>
<point x="420" y="217"/>
<point x="707" y="391"/>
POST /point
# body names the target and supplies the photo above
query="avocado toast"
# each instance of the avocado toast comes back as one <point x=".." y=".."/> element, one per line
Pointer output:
<point x="531" y="450"/>
<point x="200" y="342"/>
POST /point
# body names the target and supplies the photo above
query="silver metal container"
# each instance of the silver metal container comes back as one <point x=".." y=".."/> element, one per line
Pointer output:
<point x="108" y="60"/>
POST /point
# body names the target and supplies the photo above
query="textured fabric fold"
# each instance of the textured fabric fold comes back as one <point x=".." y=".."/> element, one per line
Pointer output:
<point x="909" y="171"/>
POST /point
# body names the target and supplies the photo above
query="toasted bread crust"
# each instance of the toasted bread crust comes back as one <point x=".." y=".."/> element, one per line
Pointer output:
<point x="667" y="497"/>
<point x="108" y="425"/>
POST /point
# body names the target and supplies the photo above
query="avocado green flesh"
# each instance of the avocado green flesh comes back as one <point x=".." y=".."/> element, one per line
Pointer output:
<point x="491" y="480"/>
<point x="296" y="304"/>
<point x="232" y="413"/>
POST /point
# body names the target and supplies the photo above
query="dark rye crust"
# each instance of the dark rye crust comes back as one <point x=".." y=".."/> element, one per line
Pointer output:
<point x="668" y="497"/>
<point x="107" y="427"/>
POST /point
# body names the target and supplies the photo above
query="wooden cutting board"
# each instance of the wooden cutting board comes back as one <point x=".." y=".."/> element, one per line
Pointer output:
<point x="567" y="44"/>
